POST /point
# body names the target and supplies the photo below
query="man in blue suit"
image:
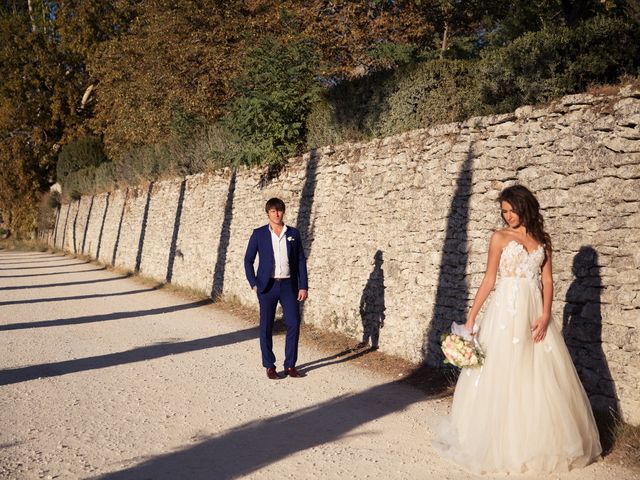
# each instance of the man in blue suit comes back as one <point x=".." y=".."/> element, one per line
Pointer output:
<point x="281" y="277"/>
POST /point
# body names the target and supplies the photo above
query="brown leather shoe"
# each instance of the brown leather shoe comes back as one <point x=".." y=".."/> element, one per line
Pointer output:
<point x="292" y="372"/>
<point x="272" y="374"/>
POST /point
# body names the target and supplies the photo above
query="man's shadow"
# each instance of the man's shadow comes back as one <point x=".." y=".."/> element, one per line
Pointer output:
<point x="372" y="305"/>
<point x="582" y="331"/>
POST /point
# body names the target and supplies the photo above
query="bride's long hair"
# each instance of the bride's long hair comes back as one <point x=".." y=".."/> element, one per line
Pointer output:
<point x="526" y="205"/>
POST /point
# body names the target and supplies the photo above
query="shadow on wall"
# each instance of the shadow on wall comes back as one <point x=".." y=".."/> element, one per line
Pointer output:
<point x="75" y="224"/>
<point x="86" y="225"/>
<point x="372" y="306"/>
<point x="55" y="228"/>
<point x="305" y="207"/>
<point x="143" y="228"/>
<point x="453" y="291"/>
<point x="104" y="219"/>
<point x="217" y="285"/>
<point x="582" y="331"/>
<point x="176" y="230"/>
<point x="117" y="241"/>
<point x="66" y="222"/>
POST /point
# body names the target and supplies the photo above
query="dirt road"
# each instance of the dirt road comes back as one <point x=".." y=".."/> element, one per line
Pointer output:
<point x="102" y="376"/>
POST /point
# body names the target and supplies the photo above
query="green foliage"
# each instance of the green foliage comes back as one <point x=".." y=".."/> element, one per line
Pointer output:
<point x="438" y="91"/>
<point x="79" y="154"/>
<point x="275" y="94"/>
<point x="389" y="54"/>
<point x="53" y="200"/>
<point x="550" y="63"/>
<point x="49" y="204"/>
<point x="535" y="68"/>
<point x="184" y="124"/>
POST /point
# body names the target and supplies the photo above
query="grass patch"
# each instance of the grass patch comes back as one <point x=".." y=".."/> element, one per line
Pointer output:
<point x="20" y="245"/>
<point x="620" y="441"/>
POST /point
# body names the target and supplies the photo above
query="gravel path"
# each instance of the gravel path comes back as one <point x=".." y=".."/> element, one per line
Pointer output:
<point x="104" y="377"/>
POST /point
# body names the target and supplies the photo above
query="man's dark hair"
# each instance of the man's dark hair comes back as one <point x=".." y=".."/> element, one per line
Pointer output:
<point x="274" y="203"/>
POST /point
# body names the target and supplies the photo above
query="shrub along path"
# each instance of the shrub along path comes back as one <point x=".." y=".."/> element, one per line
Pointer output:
<point x="102" y="376"/>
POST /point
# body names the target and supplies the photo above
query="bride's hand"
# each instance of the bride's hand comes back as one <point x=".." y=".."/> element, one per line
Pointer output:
<point x="539" y="330"/>
<point x="469" y="326"/>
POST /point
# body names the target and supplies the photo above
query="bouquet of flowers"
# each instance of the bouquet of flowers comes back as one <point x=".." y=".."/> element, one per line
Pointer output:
<point x="460" y="348"/>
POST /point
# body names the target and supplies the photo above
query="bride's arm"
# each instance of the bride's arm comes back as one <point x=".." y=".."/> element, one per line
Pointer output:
<point x="539" y="330"/>
<point x="489" y="280"/>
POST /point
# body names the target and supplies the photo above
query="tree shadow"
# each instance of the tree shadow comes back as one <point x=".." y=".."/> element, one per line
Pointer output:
<point x="582" y="332"/>
<point x="254" y="445"/>
<point x="5" y="254"/>
<point x="143" y="228"/>
<point x="105" y="317"/>
<point x="140" y="354"/>
<point x="75" y="224"/>
<point x="77" y="297"/>
<point x="104" y="219"/>
<point x="272" y="172"/>
<point x="176" y="230"/>
<point x="55" y="228"/>
<point x="47" y="266"/>
<point x="453" y="292"/>
<point x="358" y="104"/>
<point x="305" y="209"/>
<point x="37" y="260"/>
<point x="66" y="222"/>
<point x="217" y="286"/>
<point x="248" y="448"/>
<point x="340" y="357"/>
<point x="307" y="196"/>
<point x="54" y="273"/>
<point x="86" y="225"/>
<point x="63" y="284"/>
<point x="372" y="305"/>
<point x="116" y="244"/>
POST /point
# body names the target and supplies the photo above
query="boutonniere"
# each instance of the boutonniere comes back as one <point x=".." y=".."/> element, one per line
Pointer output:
<point x="291" y="239"/>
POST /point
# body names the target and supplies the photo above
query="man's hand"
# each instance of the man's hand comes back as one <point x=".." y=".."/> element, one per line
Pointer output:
<point x="255" y="289"/>
<point x="302" y="295"/>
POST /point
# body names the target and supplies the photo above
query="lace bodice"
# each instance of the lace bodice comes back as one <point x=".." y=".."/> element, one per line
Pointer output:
<point x="515" y="261"/>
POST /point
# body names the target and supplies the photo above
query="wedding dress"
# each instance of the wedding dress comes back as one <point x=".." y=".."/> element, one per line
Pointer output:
<point x="525" y="409"/>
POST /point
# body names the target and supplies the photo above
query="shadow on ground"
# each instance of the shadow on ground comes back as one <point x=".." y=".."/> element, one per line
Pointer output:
<point x="255" y="445"/>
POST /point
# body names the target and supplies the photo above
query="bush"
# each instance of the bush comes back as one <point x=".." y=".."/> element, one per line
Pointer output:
<point x="84" y="152"/>
<point x="532" y="69"/>
<point x="184" y="124"/>
<point x="438" y="91"/>
<point x="53" y="200"/>
<point x="275" y="94"/>
<point x="550" y="63"/>
<point x="47" y="211"/>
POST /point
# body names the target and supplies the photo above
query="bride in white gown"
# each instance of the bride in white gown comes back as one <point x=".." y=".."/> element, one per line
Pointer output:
<point x="525" y="409"/>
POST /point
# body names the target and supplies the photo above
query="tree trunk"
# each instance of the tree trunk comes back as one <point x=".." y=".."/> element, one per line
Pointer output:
<point x="33" y="23"/>
<point x="445" y="39"/>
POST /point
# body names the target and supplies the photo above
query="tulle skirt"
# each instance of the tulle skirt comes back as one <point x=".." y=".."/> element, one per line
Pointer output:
<point x="525" y="409"/>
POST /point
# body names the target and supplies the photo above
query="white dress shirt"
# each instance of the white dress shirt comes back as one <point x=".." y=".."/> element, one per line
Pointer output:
<point x="281" y="263"/>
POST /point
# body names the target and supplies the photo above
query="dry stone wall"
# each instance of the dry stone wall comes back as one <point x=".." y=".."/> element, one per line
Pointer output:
<point x="396" y="230"/>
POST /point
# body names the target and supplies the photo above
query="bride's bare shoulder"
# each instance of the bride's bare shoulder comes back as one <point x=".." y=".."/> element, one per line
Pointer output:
<point x="501" y="238"/>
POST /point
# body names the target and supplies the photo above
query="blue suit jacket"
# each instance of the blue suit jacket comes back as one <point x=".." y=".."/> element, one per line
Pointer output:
<point x="260" y="243"/>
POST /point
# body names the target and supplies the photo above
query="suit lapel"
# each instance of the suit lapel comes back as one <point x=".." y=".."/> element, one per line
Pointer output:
<point x="268" y="244"/>
<point x="288" y="244"/>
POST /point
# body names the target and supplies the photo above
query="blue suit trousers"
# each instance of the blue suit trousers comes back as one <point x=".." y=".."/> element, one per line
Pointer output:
<point x="279" y="291"/>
